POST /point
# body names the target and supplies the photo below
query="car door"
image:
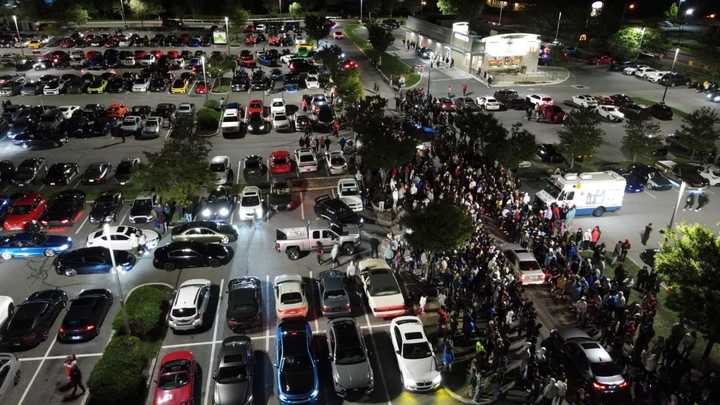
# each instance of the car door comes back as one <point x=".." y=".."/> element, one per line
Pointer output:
<point x="203" y="298"/>
<point x="195" y="258"/>
<point x="120" y="241"/>
<point x="331" y="344"/>
<point x="207" y="236"/>
<point x="193" y="234"/>
<point x="397" y="342"/>
<point x="328" y="239"/>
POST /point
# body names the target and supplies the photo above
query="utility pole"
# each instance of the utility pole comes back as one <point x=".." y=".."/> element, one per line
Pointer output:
<point x="557" y="30"/>
<point x="672" y="71"/>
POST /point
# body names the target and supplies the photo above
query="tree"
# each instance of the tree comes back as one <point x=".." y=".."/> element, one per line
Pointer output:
<point x="317" y="27"/>
<point x="580" y="134"/>
<point x="330" y="58"/>
<point x="295" y="9"/>
<point x="627" y="42"/>
<point x="348" y="85"/>
<point x="699" y="130"/>
<point x="218" y="64"/>
<point x="689" y="265"/>
<point x="520" y="147"/>
<point x="238" y="20"/>
<point x="171" y="173"/>
<point x="143" y="8"/>
<point x="439" y="227"/>
<point x="673" y="14"/>
<point x="641" y="136"/>
<point x="76" y="14"/>
<point x="468" y="8"/>
<point x="379" y="37"/>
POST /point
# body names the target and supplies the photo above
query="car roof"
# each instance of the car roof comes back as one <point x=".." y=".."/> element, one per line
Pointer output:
<point x="188" y="292"/>
<point x="410" y="325"/>
<point x="250" y="190"/>
<point x="573" y="333"/>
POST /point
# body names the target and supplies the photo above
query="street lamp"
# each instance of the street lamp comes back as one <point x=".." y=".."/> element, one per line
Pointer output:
<point x="689" y="12"/>
<point x="22" y="49"/>
<point x="361" y="6"/>
<point x="106" y="231"/>
<point x="557" y="30"/>
<point x="502" y="5"/>
<point x="681" y="193"/>
<point x="672" y="71"/>
<point x="202" y="59"/>
<point x="122" y="12"/>
<point x="642" y="35"/>
<point x="227" y="34"/>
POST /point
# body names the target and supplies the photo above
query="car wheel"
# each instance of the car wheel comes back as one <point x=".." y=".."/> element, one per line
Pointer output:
<point x="49" y="253"/>
<point x="348" y="249"/>
<point x="214" y="263"/>
<point x="598" y="212"/>
<point x="70" y="272"/>
<point x="16" y="379"/>
<point x="6" y="255"/>
<point x="169" y="266"/>
<point x="293" y="252"/>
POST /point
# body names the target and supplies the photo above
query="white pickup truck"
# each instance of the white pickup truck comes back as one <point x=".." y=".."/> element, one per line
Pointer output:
<point x="294" y="241"/>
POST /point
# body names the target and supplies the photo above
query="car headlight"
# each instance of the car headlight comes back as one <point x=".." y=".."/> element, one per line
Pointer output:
<point x="250" y="127"/>
<point x="206" y="212"/>
<point x="224" y="212"/>
<point x="437" y="380"/>
<point x="408" y="382"/>
<point x="64" y="247"/>
<point x="262" y="127"/>
<point x="282" y="397"/>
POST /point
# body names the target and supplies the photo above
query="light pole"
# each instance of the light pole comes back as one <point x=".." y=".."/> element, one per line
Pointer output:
<point x="642" y="36"/>
<point x="106" y="231"/>
<point x="672" y="71"/>
<point x="681" y="193"/>
<point x="202" y="59"/>
<point x="227" y="34"/>
<point x="630" y="7"/>
<point x="22" y="49"/>
<point x="557" y="30"/>
<point x="502" y="5"/>
<point x="122" y="12"/>
<point x="361" y="4"/>
<point x="688" y="13"/>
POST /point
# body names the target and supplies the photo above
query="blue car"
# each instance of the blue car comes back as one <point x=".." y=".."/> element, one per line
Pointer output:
<point x="195" y="42"/>
<point x="296" y="368"/>
<point x="92" y="260"/>
<point x="33" y="244"/>
<point x="266" y="59"/>
<point x="634" y="184"/>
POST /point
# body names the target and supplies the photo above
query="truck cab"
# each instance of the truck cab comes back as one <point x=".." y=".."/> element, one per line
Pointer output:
<point x="592" y="193"/>
<point x="294" y="241"/>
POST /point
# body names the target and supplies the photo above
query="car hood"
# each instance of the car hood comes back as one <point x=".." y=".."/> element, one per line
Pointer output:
<point x="351" y="376"/>
<point x="351" y="200"/>
<point x="134" y="211"/>
<point x="233" y="393"/>
<point x="419" y="369"/>
<point x="101" y="211"/>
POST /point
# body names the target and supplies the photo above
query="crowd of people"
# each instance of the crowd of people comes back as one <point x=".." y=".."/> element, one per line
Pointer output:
<point x="481" y="300"/>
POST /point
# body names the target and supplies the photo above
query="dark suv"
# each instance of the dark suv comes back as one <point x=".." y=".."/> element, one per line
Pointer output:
<point x="336" y="211"/>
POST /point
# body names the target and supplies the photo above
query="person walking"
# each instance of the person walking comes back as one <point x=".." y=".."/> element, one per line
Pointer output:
<point x="465" y="88"/>
<point x="423" y="303"/>
<point x="319" y="252"/>
<point x="449" y="91"/>
<point x="122" y="135"/>
<point x="374" y="245"/>
<point x="75" y="382"/>
<point x="69" y="363"/>
<point x="646" y="234"/>
<point x="334" y="253"/>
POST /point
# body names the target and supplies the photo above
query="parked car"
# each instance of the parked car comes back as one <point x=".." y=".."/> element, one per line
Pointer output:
<point x="526" y="268"/>
<point x="244" y="309"/>
<point x="349" y="359"/>
<point x="661" y="111"/>
<point x="61" y="174"/>
<point x="176" y="380"/>
<point x="234" y="374"/>
<point x="335" y="162"/>
<point x="106" y="207"/>
<point x="31" y="322"/>
<point x="31" y="244"/>
<point x="64" y="210"/>
<point x="611" y="113"/>
<point x="334" y="298"/>
<point x="414" y="354"/>
<point x="123" y="238"/>
<point x="296" y="376"/>
<point x="190" y="305"/>
<point x="142" y="209"/>
<point x="381" y="289"/>
<point x="548" y="153"/>
<point x="92" y="260"/>
<point x="85" y="316"/>
<point x="24" y="210"/>
<point x="204" y="232"/>
<point x="191" y="254"/>
<point x="585" y="101"/>
<point x="336" y="211"/>
<point x="290" y="299"/>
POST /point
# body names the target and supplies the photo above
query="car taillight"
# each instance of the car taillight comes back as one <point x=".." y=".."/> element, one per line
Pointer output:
<point x="327" y="309"/>
<point x="599" y="387"/>
<point x="90" y="327"/>
<point x="623" y="385"/>
<point x="64" y="221"/>
<point x="62" y="330"/>
<point x="232" y="322"/>
<point x="44" y="222"/>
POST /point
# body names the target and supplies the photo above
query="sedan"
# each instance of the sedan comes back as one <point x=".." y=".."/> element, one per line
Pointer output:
<point x="234" y="375"/>
<point x="85" y="316"/>
<point x="61" y="174"/>
<point x="92" y="260"/>
<point x="33" y="244"/>
<point x="106" y="207"/>
<point x="64" y="210"/>
<point x="280" y="162"/>
<point x="191" y="254"/>
<point x="489" y="103"/>
<point x="254" y="169"/>
<point x="548" y="153"/>
<point x="633" y="184"/>
<point x="334" y="298"/>
<point x="97" y="173"/>
<point x="244" y="303"/>
<point x="123" y="238"/>
<point x="610" y="112"/>
<point x="296" y="376"/>
<point x="32" y="320"/>
<point x="349" y="360"/>
<point x="125" y="170"/>
<point x="204" y="232"/>
<point x="336" y="162"/>
<point x="24" y="210"/>
<point x="176" y="379"/>
<point x="661" y="111"/>
<point x="414" y="354"/>
<point x="290" y="299"/>
<point x="218" y="206"/>
<point x="151" y="128"/>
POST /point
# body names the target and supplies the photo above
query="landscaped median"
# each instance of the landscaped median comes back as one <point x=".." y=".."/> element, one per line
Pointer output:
<point x="390" y="65"/>
<point x="120" y="377"/>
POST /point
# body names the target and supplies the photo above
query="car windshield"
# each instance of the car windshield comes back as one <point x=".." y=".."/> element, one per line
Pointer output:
<point x="252" y="163"/>
<point x="383" y="283"/>
<point x="529" y="265"/>
<point x="419" y="350"/>
<point x="217" y="167"/>
<point x="174" y="375"/>
<point x="143" y="203"/>
<point x="279" y="161"/>
<point x="21" y="209"/>
<point x="183" y="312"/>
<point x="124" y="166"/>
<point x="606" y="369"/>
<point x="348" y="191"/>
<point x="250" y="201"/>
<point x="105" y="201"/>
<point x="291" y="298"/>
<point x="231" y="374"/>
<point x="334" y="293"/>
<point x="307" y="158"/>
<point x="242" y="298"/>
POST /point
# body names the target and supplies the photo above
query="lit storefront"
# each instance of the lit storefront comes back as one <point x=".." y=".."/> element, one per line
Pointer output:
<point x="510" y="53"/>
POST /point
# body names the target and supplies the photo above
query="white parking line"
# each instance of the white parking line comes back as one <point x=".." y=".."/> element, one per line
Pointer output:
<point x="377" y="360"/>
<point x="77" y="231"/>
<point x="212" y="347"/>
<point x="237" y="180"/>
<point x="650" y="194"/>
<point x="37" y="371"/>
<point x="267" y="330"/>
<point x="267" y="165"/>
<point x="59" y="357"/>
<point x="302" y="206"/>
<point x="332" y="190"/>
<point x="315" y="322"/>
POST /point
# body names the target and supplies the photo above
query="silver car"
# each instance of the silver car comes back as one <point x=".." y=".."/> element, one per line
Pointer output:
<point x="9" y="373"/>
<point x="351" y="369"/>
<point x="204" y="231"/>
<point x="151" y="127"/>
<point x="334" y="299"/>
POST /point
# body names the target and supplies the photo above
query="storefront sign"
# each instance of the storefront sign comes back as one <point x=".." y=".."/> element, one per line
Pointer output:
<point x="462" y="37"/>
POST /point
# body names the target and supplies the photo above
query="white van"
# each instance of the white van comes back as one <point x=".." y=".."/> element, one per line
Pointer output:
<point x="592" y="193"/>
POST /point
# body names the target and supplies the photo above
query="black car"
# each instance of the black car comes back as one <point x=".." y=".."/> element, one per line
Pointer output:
<point x="673" y="79"/>
<point x="116" y="85"/>
<point x="254" y="169"/>
<point x="336" y="211"/>
<point x="31" y="89"/>
<point x="505" y="95"/>
<point x="85" y="316"/>
<point x="97" y="173"/>
<point x="257" y="124"/>
<point x="99" y="126"/>
<point x="106" y="207"/>
<point x="76" y="126"/>
<point x="60" y="174"/>
<point x="76" y="86"/>
<point x="240" y="82"/>
<point x="64" y="209"/>
<point x="143" y="111"/>
<point x="125" y="170"/>
<point x="234" y="374"/>
<point x="157" y="85"/>
<point x="301" y="122"/>
<point x="661" y="111"/>
<point x="191" y="254"/>
<point x="324" y="118"/>
<point x="620" y="66"/>
<point x="7" y="170"/>
<point x="648" y="256"/>
<point x="391" y="24"/>
<point x="635" y="110"/>
<point x="548" y="153"/>
<point x="517" y="104"/>
<point x="621" y="99"/>
<point x="167" y="112"/>
<point x="244" y="303"/>
<point x="31" y="322"/>
<point x="92" y="260"/>
<point x="690" y="174"/>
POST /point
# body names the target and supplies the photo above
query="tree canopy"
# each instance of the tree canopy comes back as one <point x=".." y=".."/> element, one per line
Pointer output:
<point x="468" y="8"/>
<point x="380" y="38"/>
<point x="295" y="9"/>
<point x="317" y="26"/>
<point x="580" y="134"/>
<point x="641" y="136"/>
<point x="629" y="41"/>
<point x="699" y="130"/>
<point x="689" y="265"/>
<point x="348" y="85"/>
<point x="439" y="227"/>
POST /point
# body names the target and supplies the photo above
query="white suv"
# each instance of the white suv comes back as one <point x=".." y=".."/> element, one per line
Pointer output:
<point x="190" y="305"/>
<point x="231" y="121"/>
<point x="277" y="106"/>
<point x="610" y="113"/>
<point x="349" y="192"/>
<point x="539" y="99"/>
<point x="585" y="101"/>
<point x="250" y="204"/>
<point x="306" y="160"/>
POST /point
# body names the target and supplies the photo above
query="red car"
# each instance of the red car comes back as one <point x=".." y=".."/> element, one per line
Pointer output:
<point x="91" y="54"/>
<point x="446" y="104"/>
<point x="176" y="379"/>
<point x="280" y="162"/>
<point x="246" y="59"/>
<point x="116" y="111"/>
<point x="255" y="106"/>
<point x="24" y="210"/>
<point x="250" y="39"/>
<point x="274" y="40"/>
<point x="200" y="88"/>
<point x="600" y="60"/>
<point x="551" y="113"/>
<point x="173" y="54"/>
<point x="249" y="28"/>
<point x="349" y="64"/>
<point x="157" y="53"/>
<point x="139" y="54"/>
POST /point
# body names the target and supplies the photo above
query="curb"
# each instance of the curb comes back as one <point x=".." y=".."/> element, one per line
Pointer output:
<point x="462" y="399"/>
<point x="513" y="84"/>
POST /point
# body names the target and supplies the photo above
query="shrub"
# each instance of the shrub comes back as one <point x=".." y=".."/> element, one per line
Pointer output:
<point x="213" y="104"/>
<point x="118" y="376"/>
<point x="146" y="309"/>
<point x="208" y="119"/>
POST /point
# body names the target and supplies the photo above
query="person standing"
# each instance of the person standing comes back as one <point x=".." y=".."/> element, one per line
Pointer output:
<point x="76" y="381"/>
<point x="319" y="252"/>
<point x="465" y="88"/>
<point x="334" y="256"/>
<point x="374" y="245"/>
<point x="423" y="303"/>
<point x="646" y="234"/>
<point x="449" y="91"/>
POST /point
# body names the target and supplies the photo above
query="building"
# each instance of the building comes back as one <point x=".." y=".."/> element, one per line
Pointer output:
<point x="472" y="53"/>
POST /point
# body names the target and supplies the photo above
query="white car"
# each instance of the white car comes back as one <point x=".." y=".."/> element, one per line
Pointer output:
<point x="526" y="267"/>
<point x="230" y="121"/>
<point x="131" y="124"/>
<point x="190" y="305"/>
<point x="488" y="103"/>
<point x="140" y="85"/>
<point x="656" y="75"/>
<point x="610" y="113"/>
<point x="290" y="300"/>
<point x="220" y="166"/>
<point x="7" y="308"/>
<point x="585" y="101"/>
<point x="630" y="70"/>
<point x="348" y="191"/>
<point x="414" y="353"/>
<point x="250" y="204"/>
<point x="148" y="60"/>
<point x="642" y="72"/>
<point x="381" y="288"/>
<point x="185" y="109"/>
<point x="711" y="174"/>
<point x="277" y="106"/>
<point x="260" y="27"/>
<point x="312" y="82"/>
<point x="128" y="61"/>
<point x="151" y="127"/>
<point x="121" y="238"/>
<point x="68" y="110"/>
<point x="281" y="122"/>
<point x="285" y="59"/>
<point x="336" y="162"/>
<point x="306" y="160"/>
<point x="539" y="99"/>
